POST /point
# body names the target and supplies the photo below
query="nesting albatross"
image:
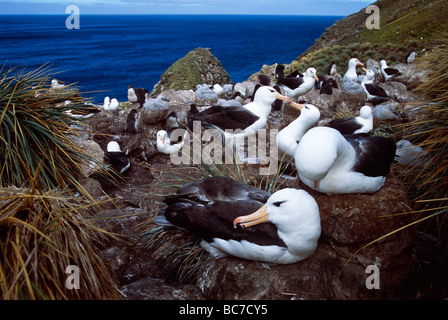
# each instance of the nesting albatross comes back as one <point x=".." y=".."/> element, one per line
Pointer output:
<point x="246" y="222"/>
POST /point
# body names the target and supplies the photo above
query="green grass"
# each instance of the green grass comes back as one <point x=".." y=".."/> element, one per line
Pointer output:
<point x="37" y="149"/>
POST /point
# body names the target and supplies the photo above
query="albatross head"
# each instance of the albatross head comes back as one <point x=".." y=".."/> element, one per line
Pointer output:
<point x="288" y="209"/>
<point x="267" y="95"/>
<point x="295" y="213"/>
<point x="113" y="146"/>
<point x="354" y="62"/>
<point x="311" y="72"/>
<point x="162" y="136"/>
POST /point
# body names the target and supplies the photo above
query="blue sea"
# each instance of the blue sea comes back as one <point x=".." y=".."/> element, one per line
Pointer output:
<point x="109" y="52"/>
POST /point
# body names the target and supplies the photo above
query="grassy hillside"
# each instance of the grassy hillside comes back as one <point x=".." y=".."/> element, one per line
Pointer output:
<point x="404" y="25"/>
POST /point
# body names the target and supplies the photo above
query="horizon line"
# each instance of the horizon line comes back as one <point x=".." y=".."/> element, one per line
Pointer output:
<point x="170" y="14"/>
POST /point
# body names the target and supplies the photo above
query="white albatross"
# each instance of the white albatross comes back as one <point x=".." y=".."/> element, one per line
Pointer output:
<point x="298" y="86"/>
<point x="241" y="223"/>
<point x="331" y="163"/>
<point x="289" y="137"/>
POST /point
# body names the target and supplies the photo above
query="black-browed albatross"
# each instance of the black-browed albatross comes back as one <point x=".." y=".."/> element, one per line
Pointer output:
<point x="245" y="222"/>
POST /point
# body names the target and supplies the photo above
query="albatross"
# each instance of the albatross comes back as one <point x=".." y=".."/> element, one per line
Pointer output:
<point x="331" y="163"/>
<point x="115" y="158"/>
<point x="351" y="83"/>
<point x="387" y="72"/>
<point x="375" y="93"/>
<point x="237" y="122"/>
<point x="289" y="137"/>
<point x="171" y="141"/>
<point x="246" y="222"/>
<point x="298" y="86"/>
<point x="353" y="125"/>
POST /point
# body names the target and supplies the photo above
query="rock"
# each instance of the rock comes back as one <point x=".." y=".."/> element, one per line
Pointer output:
<point x="398" y="92"/>
<point x="197" y="67"/>
<point x="179" y="97"/>
<point x="246" y="88"/>
<point x="410" y="75"/>
<point x="339" y="101"/>
<point x="94" y="150"/>
<point x="154" y="115"/>
<point x="157" y="289"/>
<point x="348" y="223"/>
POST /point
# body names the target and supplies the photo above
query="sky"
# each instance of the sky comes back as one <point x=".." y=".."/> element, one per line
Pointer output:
<point x="270" y="7"/>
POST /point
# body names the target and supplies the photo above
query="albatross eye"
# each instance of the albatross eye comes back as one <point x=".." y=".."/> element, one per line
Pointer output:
<point x="278" y="203"/>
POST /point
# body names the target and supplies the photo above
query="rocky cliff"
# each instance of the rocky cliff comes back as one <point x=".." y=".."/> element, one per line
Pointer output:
<point x="199" y="66"/>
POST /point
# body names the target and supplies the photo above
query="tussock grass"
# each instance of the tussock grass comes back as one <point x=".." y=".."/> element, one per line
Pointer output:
<point x="38" y="132"/>
<point x="428" y="186"/>
<point x="41" y="234"/>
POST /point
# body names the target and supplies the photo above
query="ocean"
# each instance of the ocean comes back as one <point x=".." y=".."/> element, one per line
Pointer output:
<point x="109" y="52"/>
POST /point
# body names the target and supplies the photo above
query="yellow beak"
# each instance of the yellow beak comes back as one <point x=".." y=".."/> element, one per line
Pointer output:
<point x="361" y="64"/>
<point x="297" y="105"/>
<point x="315" y="77"/>
<point x="282" y="97"/>
<point x="255" y="218"/>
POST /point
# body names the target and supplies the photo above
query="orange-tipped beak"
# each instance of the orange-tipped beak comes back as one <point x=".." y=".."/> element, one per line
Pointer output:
<point x="361" y="64"/>
<point x="297" y="105"/>
<point x="255" y="218"/>
<point x="315" y="77"/>
<point x="282" y="97"/>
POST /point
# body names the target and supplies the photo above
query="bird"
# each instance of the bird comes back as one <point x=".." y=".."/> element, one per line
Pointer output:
<point x="351" y="83"/>
<point x="332" y="163"/>
<point x="298" y="86"/>
<point x="56" y="85"/>
<point x="288" y="138"/>
<point x="132" y="95"/>
<point x="411" y="155"/>
<point x="83" y="111"/>
<point x="116" y="159"/>
<point x="388" y="73"/>
<point x="137" y="95"/>
<point x="385" y="112"/>
<point x="111" y="105"/>
<point x="353" y="125"/>
<point x="158" y="103"/>
<point x="375" y="93"/>
<point x="246" y="222"/>
<point x="279" y="71"/>
<point x="106" y="103"/>
<point x="131" y="121"/>
<point x="327" y="86"/>
<point x="410" y="57"/>
<point x="171" y="141"/>
<point x="237" y="122"/>
<point x="217" y="88"/>
<point x="351" y="71"/>
<point x="205" y="91"/>
<point x="190" y="115"/>
<point x="171" y="121"/>
<point x="332" y="69"/>
<point x="264" y="80"/>
<point x="114" y="104"/>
